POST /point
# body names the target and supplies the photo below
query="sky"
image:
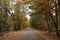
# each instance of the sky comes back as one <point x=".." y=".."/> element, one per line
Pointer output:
<point x="28" y="17"/>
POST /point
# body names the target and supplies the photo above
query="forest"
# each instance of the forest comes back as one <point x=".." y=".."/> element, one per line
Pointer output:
<point x="40" y="15"/>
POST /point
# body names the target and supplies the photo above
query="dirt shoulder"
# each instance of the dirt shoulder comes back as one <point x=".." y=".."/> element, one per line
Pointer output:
<point x="47" y="36"/>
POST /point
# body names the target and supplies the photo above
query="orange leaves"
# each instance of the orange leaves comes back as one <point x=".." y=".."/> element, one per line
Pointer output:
<point x="44" y="6"/>
<point x="43" y="15"/>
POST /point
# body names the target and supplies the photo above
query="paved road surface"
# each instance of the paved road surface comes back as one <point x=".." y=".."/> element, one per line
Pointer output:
<point x="29" y="34"/>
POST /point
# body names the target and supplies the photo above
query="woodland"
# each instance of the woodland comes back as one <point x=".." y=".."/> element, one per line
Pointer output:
<point x="44" y="15"/>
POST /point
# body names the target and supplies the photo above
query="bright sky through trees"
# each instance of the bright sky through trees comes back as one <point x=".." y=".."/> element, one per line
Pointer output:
<point x="28" y="17"/>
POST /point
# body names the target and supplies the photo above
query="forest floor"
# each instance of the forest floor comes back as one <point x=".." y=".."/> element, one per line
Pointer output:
<point x="13" y="35"/>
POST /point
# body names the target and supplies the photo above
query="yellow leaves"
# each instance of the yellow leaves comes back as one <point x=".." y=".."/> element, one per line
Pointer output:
<point x="20" y="3"/>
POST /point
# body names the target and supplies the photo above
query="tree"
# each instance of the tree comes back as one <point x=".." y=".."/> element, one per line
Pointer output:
<point x="46" y="7"/>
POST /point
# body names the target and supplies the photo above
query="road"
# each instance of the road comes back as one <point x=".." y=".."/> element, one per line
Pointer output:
<point x="29" y="34"/>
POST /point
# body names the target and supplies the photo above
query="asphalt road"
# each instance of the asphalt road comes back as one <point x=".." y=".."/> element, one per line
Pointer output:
<point x="29" y="34"/>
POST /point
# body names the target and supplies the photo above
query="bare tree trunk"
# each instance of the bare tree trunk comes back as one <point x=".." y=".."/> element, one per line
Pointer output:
<point x="57" y="31"/>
